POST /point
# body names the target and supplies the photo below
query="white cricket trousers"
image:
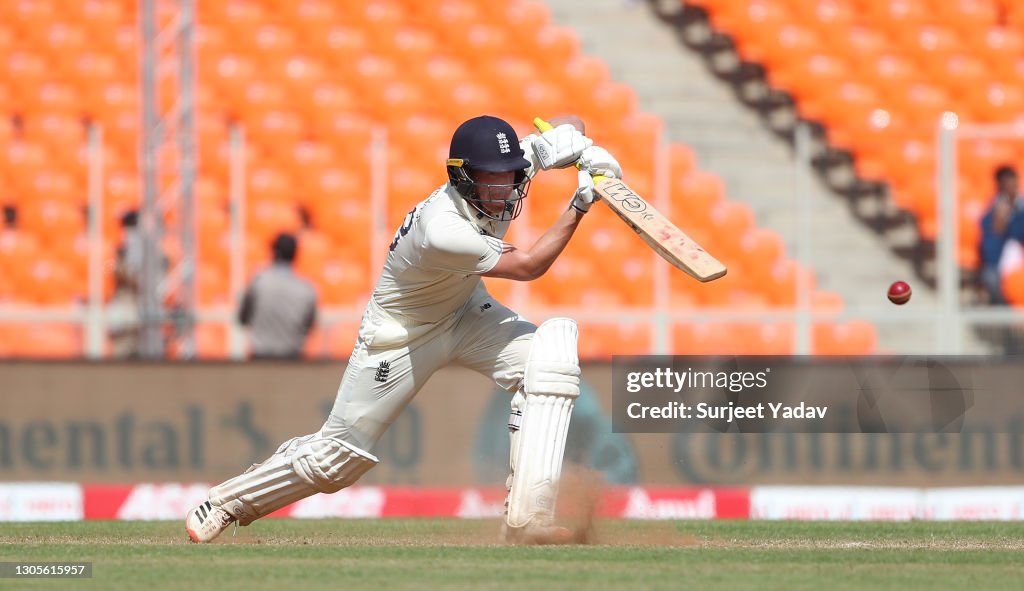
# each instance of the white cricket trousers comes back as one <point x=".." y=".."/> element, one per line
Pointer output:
<point x="379" y="383"/>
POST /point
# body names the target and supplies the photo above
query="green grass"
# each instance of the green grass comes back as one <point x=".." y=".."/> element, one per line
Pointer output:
<point x="451" y="554"/>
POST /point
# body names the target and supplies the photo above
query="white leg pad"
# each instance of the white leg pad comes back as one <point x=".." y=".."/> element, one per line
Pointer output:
<point x="299" y="468"/>
<point x="550" y="387"/>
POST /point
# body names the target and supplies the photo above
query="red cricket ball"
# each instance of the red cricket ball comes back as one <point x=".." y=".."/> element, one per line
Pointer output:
<point x="899" y="293"/>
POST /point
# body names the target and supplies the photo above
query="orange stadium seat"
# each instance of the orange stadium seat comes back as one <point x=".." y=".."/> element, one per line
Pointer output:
<point x="7" y="133"/>
<point x="338" y="340"/>
<point x="756" y="27"/>
<point x="848" y="338"/>
<point x="522" y="18"/>
<point x="17" y="246"/>
<point x="55" y="131"/>
<point x="49" y="281"/>
<point x="277" y="131"/>
<point x="564" y="283"/>
<point x="314" y="251"/>
<point x="326" y="101"/>
<point x="270" y="42"/>
<point x="831" y="18"/>
<point x="340" y="44"/>
<point x="970" y="17"/>
<point x="998" y="102"/>
<point x="1000" y="44"/>
<point x="312" y="81"/>
<point x="50" y="217"/>
<point x="210" y="340"/>
<point x="440" y="73"/>
<point x="238" y="18"/>
<point x="697" y="192"/>
<point x="582" y="74"/>
<point x="927" y="57"/>
<point x="931" y="43"/>
<point x="266" y="218"/>
<point x="350" y="135"/>
<point x="806" y="73"/>
<point x="7" y="293"/>
<point x="427" y="138"/>
<point x="841" y="103"/>
<point x="858" y="42"/>
<point x="56" y="185"/>
<point x="610" y="101"/>
<point x="306" y="161"/>
<point x="383" y="17"/>
<point x="8" y="38"/>
<point x="332" y="212"/>
<point x="30" y="70"/>
<point x="1013" y="287"/>
<point x="791" y="41"/>
<point x="212" y="287"/>
<point x="480" y="44"/>
<point x="961" y="73"/>
<point x="310" y="17"/>
<point x="731" y="220"/>
<point x="601" y="341"/>
<point x="707" y="338"/>
<point x="343" y="281"/>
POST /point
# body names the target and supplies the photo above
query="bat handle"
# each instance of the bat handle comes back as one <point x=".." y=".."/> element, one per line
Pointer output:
<point x="543" y="126"/>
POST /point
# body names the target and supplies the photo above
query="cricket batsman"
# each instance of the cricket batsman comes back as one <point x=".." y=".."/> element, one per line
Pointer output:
<point x="430" y="309"/>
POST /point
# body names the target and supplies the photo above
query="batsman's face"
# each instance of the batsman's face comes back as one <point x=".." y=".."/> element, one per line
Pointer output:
<point x="493" y="188"/>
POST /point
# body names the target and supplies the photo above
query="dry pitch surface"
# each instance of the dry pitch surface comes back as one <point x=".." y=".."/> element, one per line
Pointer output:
<point x="463" y="554"/>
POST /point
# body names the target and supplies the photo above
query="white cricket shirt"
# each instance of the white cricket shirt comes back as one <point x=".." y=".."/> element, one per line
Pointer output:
<point x="436" y="259"/>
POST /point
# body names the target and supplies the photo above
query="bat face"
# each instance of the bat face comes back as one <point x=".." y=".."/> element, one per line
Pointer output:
<point x="671" y="243"/>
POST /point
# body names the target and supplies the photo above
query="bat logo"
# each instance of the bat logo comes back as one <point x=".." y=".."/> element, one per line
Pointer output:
<point x="633" y="205"/>
<point x="630" y="201"/>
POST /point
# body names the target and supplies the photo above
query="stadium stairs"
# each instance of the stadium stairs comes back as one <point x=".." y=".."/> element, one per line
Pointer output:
<point x="756" y="165"/>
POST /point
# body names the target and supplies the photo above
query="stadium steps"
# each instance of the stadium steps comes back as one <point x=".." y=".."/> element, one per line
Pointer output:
<point x="756" y="166"/>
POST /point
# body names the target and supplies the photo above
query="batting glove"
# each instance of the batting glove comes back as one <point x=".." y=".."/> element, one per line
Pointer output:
<point x="583" y="198"/>
<point x="596" y="160"/>
<point x="556" y="148"/>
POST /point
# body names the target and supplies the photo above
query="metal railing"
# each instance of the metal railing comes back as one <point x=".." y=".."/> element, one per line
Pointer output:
<point x="946" y="320"/>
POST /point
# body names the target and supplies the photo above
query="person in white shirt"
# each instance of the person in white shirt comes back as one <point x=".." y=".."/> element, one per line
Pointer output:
<point x="430" y="309"/>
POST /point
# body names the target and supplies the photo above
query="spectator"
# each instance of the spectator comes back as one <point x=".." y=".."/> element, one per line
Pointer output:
<point x="131" y="247"/>
<point x="1003" y="221"/>
<point x="123" y="318"/>
<point x="279" y="307"/>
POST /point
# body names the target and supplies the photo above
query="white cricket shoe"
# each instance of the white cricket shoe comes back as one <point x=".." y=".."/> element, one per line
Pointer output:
<point x="536" y="534"/>
<point x="206" y="522"/>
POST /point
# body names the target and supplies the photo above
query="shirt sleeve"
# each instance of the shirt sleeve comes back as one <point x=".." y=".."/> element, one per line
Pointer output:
<point x="452" y="244"/>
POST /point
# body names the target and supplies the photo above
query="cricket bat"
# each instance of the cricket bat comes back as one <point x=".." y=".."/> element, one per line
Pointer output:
<point x="671" y="243"/>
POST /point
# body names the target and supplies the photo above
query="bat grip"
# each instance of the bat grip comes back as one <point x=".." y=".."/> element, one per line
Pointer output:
<point x="543" y="126"/>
